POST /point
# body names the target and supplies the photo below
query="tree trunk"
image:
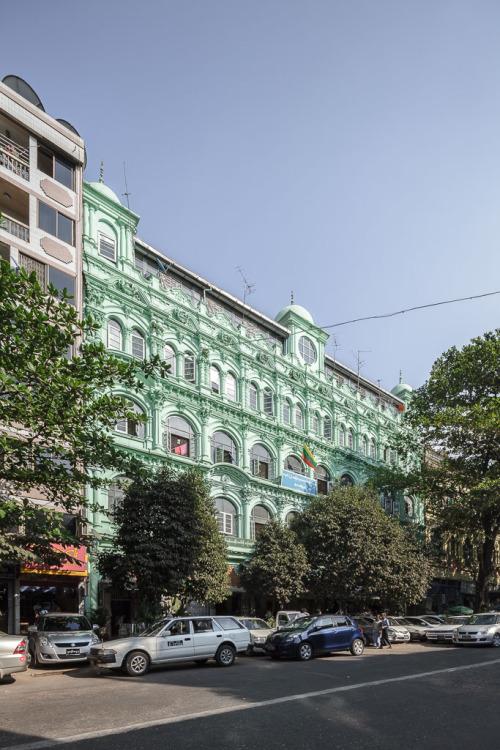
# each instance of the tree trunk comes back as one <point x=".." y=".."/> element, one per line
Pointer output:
<point x="486" y="559"/>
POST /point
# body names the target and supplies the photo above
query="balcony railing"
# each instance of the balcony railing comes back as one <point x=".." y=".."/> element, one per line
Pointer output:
<point x="14" y="157"/>
<point x="19" y="230"/>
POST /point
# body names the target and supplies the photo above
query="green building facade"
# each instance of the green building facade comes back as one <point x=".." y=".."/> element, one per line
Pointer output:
<point x="244" y="394"/>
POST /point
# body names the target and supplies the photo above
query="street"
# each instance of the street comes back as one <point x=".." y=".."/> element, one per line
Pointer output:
<point x="411" y="696"/>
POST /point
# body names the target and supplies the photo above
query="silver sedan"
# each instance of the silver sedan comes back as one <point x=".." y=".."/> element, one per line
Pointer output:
<point x="61" y="637"/>
<point x="13" y="654"/>
<point x="481" y="629"/>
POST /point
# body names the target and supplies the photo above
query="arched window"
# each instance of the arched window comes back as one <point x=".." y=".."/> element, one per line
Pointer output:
<point x="364" y="445"/>
<point x="373" y="449"/>
<point x="260" y="518"/>
<point x="129" y="427"/>
<point x="292" y="463"/>
<point x="226" y="516"/>
<point x="169" y="358"/>
<point x="115" y="339"/>
<point x="261" y="462"/>
<point x="253" y="396"/>
<point x="307" y="350"/>
<point x="179" y="437"/>
<point x="327" y="428"/>
<point x="223" y="449"/>
<point x="315" y="424"/>
<point x="231" y="386"/>
<point x="290" y="517"/>
<point x="116" y="491"/>
<point x="346" y="480"/>
<point x="190" y="367"/>
<point x="341" y="435"/>
<point x="215" y="379"/>
<point x="350" y="440"/>
<point x="286" y="412"/>
<point x="138" y="345"/>
<point x="408" y="506"/>
<point x="299" y="419"/>
<point x="322" y="476"/>
<point x="268" y="401"/>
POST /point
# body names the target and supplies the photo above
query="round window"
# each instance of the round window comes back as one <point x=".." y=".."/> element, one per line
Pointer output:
<point x="307" y="350"/>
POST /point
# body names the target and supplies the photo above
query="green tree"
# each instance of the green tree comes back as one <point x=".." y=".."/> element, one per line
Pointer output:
<point x="453" y="427"/>
<point x="57" y="414"/>
<point x="278" y="565"/>
<point x="167" y="542"/>
<point x="357" y="553"/>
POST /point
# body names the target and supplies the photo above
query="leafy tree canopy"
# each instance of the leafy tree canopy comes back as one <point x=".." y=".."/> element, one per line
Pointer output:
<point x="453" y="426"/>
<point x="168" y="542"/>
<point x="278" y="565"/>
<point x="56" y="417"/>
<point x="357" y="553"/>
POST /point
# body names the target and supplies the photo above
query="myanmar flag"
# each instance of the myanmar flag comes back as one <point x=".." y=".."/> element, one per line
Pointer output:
<point x="308" y="457"/>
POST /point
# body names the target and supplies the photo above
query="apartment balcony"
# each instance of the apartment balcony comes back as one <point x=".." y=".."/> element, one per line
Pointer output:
<point x="14" y="207"/>
<point x="14" y="157"/>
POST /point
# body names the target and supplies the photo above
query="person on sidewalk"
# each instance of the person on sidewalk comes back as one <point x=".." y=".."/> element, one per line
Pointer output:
<point x="377" y="627"/>
<point x="384" y="640"/>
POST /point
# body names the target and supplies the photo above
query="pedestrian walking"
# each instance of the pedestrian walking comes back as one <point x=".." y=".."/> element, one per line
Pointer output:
<point x="377" y="627"/>
<point x="384" y="640"/>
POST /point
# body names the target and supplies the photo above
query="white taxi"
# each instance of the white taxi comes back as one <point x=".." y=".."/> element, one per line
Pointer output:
<point x="180" y="639"/>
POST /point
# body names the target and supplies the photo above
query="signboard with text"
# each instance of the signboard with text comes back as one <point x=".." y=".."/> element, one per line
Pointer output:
<point x="299" y="483"/>
<point x="75" y="566"/>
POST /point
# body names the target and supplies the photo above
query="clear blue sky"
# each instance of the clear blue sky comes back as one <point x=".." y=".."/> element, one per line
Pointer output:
<point x="349" y="151"/>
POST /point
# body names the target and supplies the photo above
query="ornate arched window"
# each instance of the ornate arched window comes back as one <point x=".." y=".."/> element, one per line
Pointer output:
<point x="215" y="379"/>
<point x="315" y="424"/>
<point x="138" y="344"/>
<point x="299" y="419"/>
<point x="322" y="476"/>
<point x="373" y="449"/>
<point x="327" y="428"/>
<point x="286" y="412"/>
<point x="253" y="396"/>
<point x="292" y="463"/>
<point x="130" y="427"/>
<point x="350" y="439"/>
<point x="169" y="358"/>
<point x="115" y="337"/>
<point x="231" y="386"/>
<point x="226" y="517"/>
<point x="223" y="449"/>
<point x="260" y="518"/>
<point x="190" y="367"/>
<point x="261" y="462"/>
<point x="346" y="480"/>
<point x="364" y="446"/>
<point x="179" y="437"/>
<point x="116" y="491"/>
<point x="342" y="435"/>
<point x="290" y="517"/>
<point x="268" y="401"/>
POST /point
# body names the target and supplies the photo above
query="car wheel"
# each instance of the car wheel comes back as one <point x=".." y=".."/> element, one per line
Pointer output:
<point x="225" y="656"/>
<point x="357" y="647"/>
<point x="305" y="652"/>
<point x="136" y="663"/>
<point x="495" y="641"/>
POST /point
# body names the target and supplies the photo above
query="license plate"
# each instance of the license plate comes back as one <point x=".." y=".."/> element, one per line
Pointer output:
<point x="72" y="651"/>
<point x="466" y="637"/>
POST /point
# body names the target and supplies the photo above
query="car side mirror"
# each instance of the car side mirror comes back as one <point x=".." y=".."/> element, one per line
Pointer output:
<point x="95" y="627"/>
<point x="32" y="628"/>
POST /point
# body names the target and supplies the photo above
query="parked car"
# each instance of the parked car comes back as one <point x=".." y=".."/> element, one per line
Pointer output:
<point x="285" y="616"/>
<point x="417" y="632"/>
<point x="483" y="628"/>
<point x="14" y="655"/>
<point x="427" y="621"/>
<point x="61" y="637"/>
<point x="396" y="633"/>
<point x="365" y="622"/>
<point x="306" y="637"/>
<point x="259" y="631"/>
<point x="180" y="639"/>
<point x="444" y="633"/>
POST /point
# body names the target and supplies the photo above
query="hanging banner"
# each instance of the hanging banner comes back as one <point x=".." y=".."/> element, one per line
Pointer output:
<point x="77" y="566"/>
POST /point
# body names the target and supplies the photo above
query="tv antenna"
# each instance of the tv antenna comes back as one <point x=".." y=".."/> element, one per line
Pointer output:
<point x="335" y="345"/>
<point x="360" y="362"/>
<point x="248" y="288"/>
<point x="126" y="193"/>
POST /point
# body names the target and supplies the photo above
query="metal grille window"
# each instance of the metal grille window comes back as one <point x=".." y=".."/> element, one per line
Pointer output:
<point x="260" y="518"/>
<point x="179" y="437"/>
<point x="114" y="335"/>
<point x="231" y="386"/>
<point x="226" y="516"/>
<point x="34" y="266"/>
<point x="169" y="358"/>
<point x="322" y="477"/>
<point x="190" y="367"/>
<point x="138" y="345"/>
<point x="286" y="412"/>
<point x="298" y="417"/>
<point x="253" y="396"/>
<point x="293" y="464"/>
<point x="315" y="424"/>
<point x="55" y="223"/>
<point x="327" y="428"/>
<point x="215" y="379"/>
<point x="307" y="350"/>
<point x="107" y="247"/>
<point x="268" y="401"/>
<point x="261" y="462"/>
<point x="129" y="427"/>
<point x="223" y="449"/>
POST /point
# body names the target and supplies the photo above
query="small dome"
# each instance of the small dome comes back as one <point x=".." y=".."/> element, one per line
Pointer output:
<point x="298" y="310"/>
<point x="105" y="190"/>
<point x="401" y="390"/>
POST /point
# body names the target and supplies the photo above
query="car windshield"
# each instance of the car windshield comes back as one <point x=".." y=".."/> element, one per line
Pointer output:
<point x="457" y="621"/>
<point x="64" y="623"/>
<point x="402" y="621"/>
<point x="300" y="623"/>
<point x="434" y="620"/>
<point x="154" y="629"/>
<point x="255" y="624"/>
<point x="482" y="620"/>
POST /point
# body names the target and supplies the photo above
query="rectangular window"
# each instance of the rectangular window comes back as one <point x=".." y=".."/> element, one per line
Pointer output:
<point x="62" y="281"/>
<point x="146" y="265"/>
<point x="31" y="265"/>
<point x="268" y="402"/>
<point x="327" y="429"/>
<point x="225" y="523"/>
<point x="56" y="167"/>
<point x="137" y="346"/>
<point x="253" y="397"/>
<point x="286" y="412"/>
<point x="189" y="368"/>
<point x="107" y="247"/>
<point x="55" y="223"/>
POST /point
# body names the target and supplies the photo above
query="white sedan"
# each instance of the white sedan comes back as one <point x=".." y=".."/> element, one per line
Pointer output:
<point x="180" y="639"/>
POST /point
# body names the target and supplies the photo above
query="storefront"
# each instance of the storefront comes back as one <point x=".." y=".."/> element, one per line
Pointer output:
<point x="9" y="599"/>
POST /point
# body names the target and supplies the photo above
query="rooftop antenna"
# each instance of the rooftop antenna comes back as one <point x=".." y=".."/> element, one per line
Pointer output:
<point x="101" y="173"/>
<point x="126" y="193"/>
<point x="248" y="288"/>
<point x="335" y="345"/>
<point x="359" y="361"/>
<point x="291" y="298"/>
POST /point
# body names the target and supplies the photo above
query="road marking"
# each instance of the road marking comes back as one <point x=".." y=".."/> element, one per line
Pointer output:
<point x="43" y="744"/>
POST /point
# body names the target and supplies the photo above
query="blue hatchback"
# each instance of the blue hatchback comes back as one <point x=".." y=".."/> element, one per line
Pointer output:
<point x="310" y="636"/>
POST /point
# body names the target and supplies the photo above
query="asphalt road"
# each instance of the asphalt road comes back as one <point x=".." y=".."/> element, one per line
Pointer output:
<point x="413" y="696"/>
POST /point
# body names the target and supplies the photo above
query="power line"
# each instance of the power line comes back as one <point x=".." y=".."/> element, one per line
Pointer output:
<point x="410" y="309"/>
